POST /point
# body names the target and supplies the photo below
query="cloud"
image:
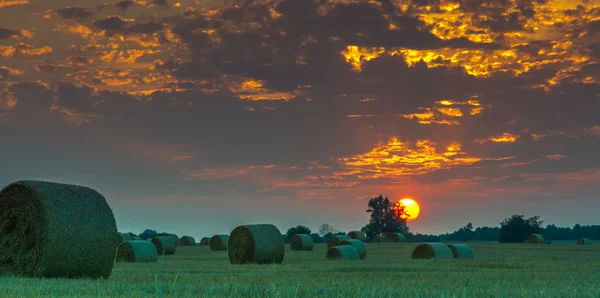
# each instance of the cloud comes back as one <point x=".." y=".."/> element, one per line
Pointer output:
<point x="6" y="33"/>
<point x="71" y="12"/>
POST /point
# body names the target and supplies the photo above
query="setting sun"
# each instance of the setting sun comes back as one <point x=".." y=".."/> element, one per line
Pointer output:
<point x="412" y="209"/>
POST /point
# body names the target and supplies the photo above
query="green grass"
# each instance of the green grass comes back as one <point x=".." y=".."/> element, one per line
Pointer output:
<point x="498" y="270"/>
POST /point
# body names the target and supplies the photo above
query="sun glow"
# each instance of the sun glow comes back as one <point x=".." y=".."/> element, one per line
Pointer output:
<point x="411" y="209"/>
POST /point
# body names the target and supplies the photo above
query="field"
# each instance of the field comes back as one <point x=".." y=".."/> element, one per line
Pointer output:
<point x="499" y="270"/>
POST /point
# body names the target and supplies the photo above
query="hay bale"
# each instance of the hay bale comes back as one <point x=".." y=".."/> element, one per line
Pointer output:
<point x="173" y="236"/>
<point x="359" y="245"/>
<point x="358" y="235"/>
<point x="187" y="241"/>
<point x="583" y="241"/>
<point x="335" y="240"/>
<point x="431" y="251"/>
<point x="381" y="238"/>
<point x="124" y="237"/>
<point x="205" y="241"/>
<point x="301" y="242"/>
<point x="55" y="230"/>
<point x="164" y="245"/>
<point x="343" y="252"/>
<point x="136" y="251"/>
<point x="535" y="239"/>
<point x="461" y="251"/>
<point x="219" y="242"/>
<point x="258" y="244"/>
<point x="396" y="237"/>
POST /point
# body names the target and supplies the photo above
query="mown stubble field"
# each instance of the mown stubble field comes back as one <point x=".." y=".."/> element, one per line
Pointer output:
<point x="499" y="270"/>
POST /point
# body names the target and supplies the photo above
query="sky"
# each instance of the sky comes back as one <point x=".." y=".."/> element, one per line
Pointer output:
<point x="194" y="117"/>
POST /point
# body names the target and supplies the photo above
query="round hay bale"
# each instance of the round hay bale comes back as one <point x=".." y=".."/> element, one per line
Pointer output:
<point x="257" y="244"/>
<point x="535" y="239"/>
<point x="136" y="251"/>
<point x="164" y="245"/>
<point x="432" y="251"/>
<point x="335" y="240"/>
<point x="124" y="237"/>
<point x="301" y="242"/>
<point x="343" y="252"/>
<point x="461" y="251"/>
<point x="205" y="241"/>
<point x="583" y="241"/>
<point x="187" y="241"/>
<point x="219" y="242"/>
<point x="55" y="230"/>
<point x="174" y="236"/>
<point x="396" y="237"/>
<point x="359" y="245"/>
<point x="381" y="238"/>
<point x="137" y="238"/>
<point x="358" y="235"/>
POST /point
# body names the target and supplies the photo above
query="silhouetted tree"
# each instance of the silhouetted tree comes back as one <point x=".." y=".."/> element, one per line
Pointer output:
<point x="297" y="230"/>
<point x="148" y="234"/>
<point x="516" y="228"/>
<point x="316" y="238"/>
<point x="325" y="228"/>
<point x="385" y="217"/>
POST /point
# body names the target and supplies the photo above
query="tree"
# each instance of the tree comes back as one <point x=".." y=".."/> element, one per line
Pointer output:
<point x="148" y="234"/>
<point x="316" y="238"/>
<point x="385" y="217"/>
<point x="516" y="228"/>
<point x="297" y="230"/>
<point x="325" y="228"/>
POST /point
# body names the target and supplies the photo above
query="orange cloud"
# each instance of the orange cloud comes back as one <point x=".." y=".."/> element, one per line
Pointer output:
<point x="593" y="131"/>
<point x="224" y="172"/>
<point x="246" y="88"/>
<point x="7" y="3"/>
<point x="503" y="138"/>
<point x="446" y="112"/>
<point x="24" y="49"/>
<point x="556" y="156"/>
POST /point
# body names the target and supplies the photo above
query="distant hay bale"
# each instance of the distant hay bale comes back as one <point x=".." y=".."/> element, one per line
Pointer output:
<point x="335" y="240"/>
<point x="359" y="245"/>
<point x="219" y="242"/>
<point x="136" y="251"/>
<point x="583" y="241"/>
<point x="396" y="237"/>
<point x="205" y="241"/>
<point x="381" y="238"/>
<point x="173" y="236"/>
<point x="187" y="241"/>
<point x="55" y="230"/>
<point x="164" y="245"/>
<point x="124" y="237"/>
<point x="301" y="242"/>
<point x="358" y="235"/>
<point x="461" y="251"/>
<point x="432" y="250"/>
<point x="257" y="244"/>
<point x="343" y="252"/>
<point x="137" y="238"/>
<point x="535" y="239"/>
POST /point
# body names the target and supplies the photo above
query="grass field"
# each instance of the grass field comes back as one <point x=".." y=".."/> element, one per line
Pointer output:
<point x="499" y="270"/>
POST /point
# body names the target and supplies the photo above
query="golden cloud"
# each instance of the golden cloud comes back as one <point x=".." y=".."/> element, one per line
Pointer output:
<point x="447" y="112"/>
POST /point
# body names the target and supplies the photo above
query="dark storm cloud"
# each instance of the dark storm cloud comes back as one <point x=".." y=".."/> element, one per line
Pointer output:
<point x="162" y="3"/>
<point x="125" y="4"/>
<point x="117" y="25"/>
<point x="74" y="12"/>
<point x="6" y="33"/>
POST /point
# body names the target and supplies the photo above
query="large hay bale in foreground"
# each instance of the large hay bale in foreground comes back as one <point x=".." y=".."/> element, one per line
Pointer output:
<point x="342" y="252"/>
<point x="301" y="242"/>
<point x="432" y="251"/>
<point x="461" y="251"/>
<point x="359" y="245"/>
<point x="335" y="240"/>
<point x="535" y="239"/>
<point x="357" y="235"/>
<point x="187" y="241"/>
<point x="136" y="251"/>
<point x="173" y="236"/>
<point x="55" y="230"/>
<point x="164" y="245"/>
<point x="205" y="241"/>
<point x="583" y="241"/>
<point x="396" y="237"/>
<point x="124" y="237"/>
<point x="258" y="244"/>
<point x="219" y="242"/>
<point x="380" y="238"/>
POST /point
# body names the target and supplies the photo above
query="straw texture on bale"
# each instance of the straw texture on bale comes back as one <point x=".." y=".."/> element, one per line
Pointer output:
<point x="343" y="252"/>
<point x="380" y="238"/>
<point x="124" y="237"/>
<point x="583" y="241"/>
<point x="432" y="251"/>
<point x="359" y="245"/>
<point x="55" y="230"/>
<point x="173" y="236"/>
<point x="136" y="251"/>
<point x="461" y="251"/>
<point x="164" y="245"/>
<point x="187" y="241"/>
<point x="335" y="240"/>
<point x="205" y="241"/>
<point x="301" y="242"/>
<point x="396" y="237"/>
<point x="358" y="235"/>
<point x="219" y="242"/>
<point x="257" y="244"/>
<point x="535" y="238"/>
